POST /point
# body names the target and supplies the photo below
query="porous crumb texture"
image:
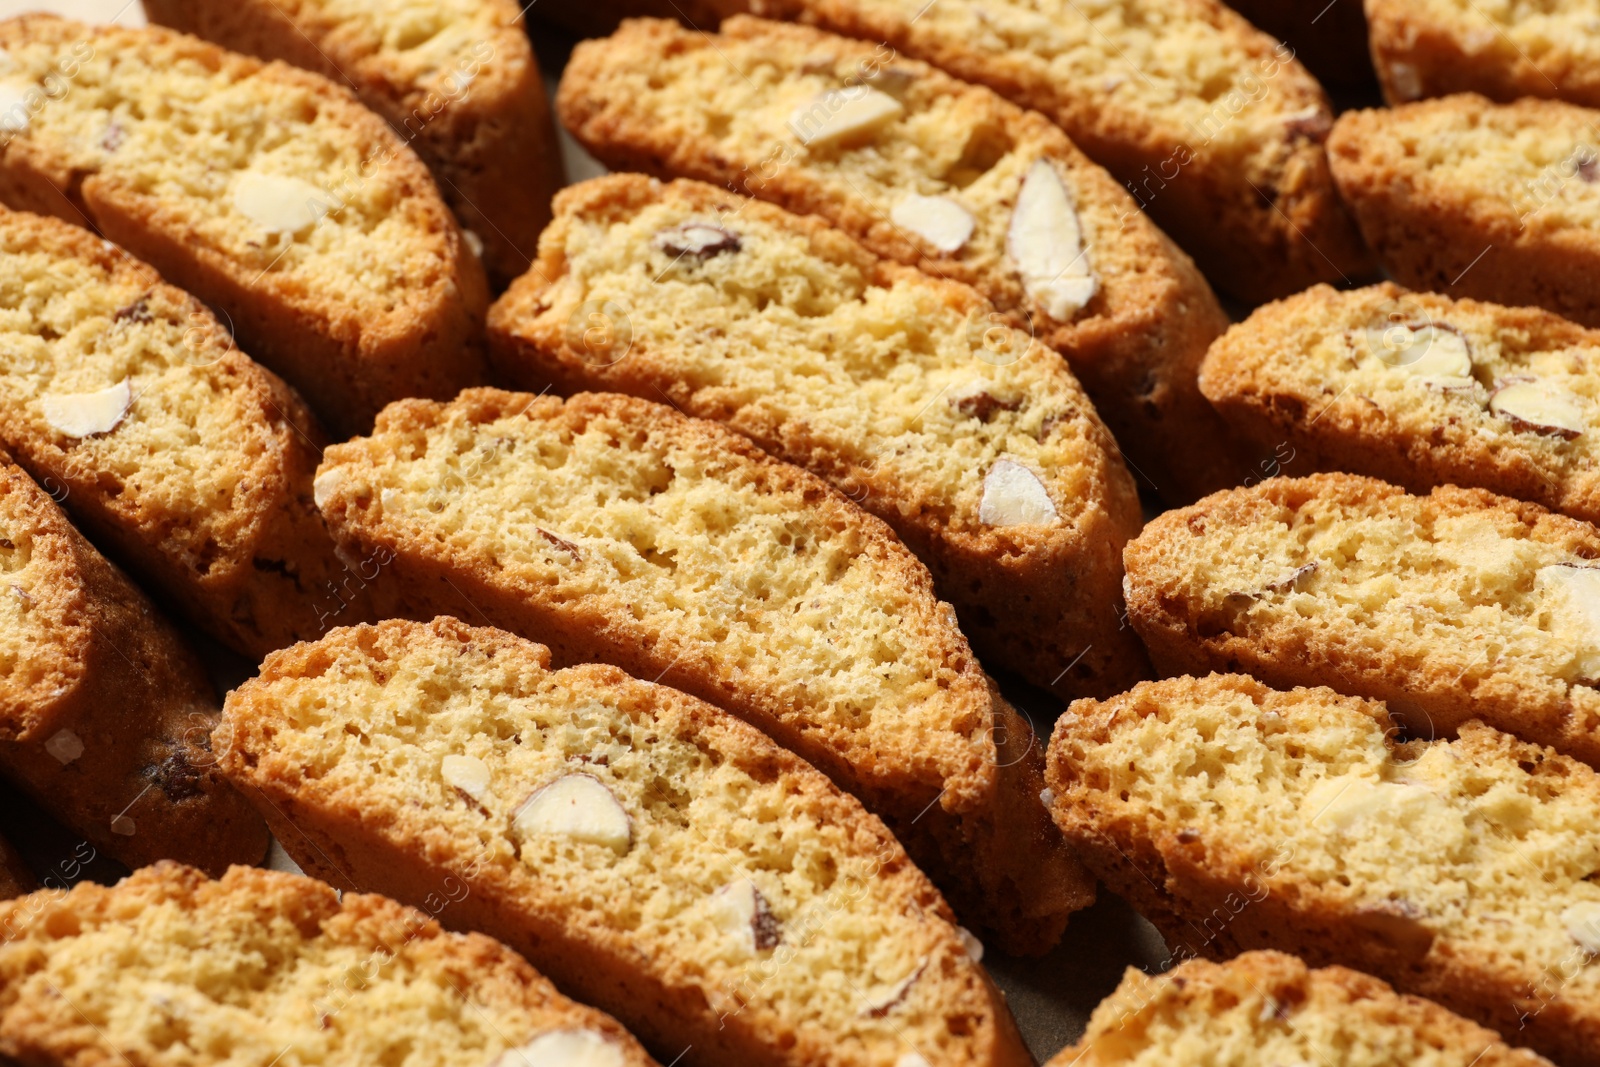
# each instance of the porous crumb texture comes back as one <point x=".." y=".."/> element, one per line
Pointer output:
<point x="407" y="756"/>
<point x="105" y="716"/>
<point x="1238" y="817"/>
<point x="1474" y="199"/>
<point x="897" y="388"/>
<point x="1268" y="1008"/>
<point x="1215" y="127"/>
<point x="617" y="530"/>
<point x="1452" y="606"/>
<point x="202" y="483"/>
<point x="1419" y="390"/>
<point x="1504" y="49"/>
<point x="457" y="77"/>
<point x="876" y="144"/>
<point x="268" y="192"/>
<point x="171" y="969"/>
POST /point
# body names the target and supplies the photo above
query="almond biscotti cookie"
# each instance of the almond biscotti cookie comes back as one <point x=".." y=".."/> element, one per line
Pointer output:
<point x="266" y="191"/>
<point x="458" y="79"/>
<point x="190" y="462"/>
<point x="973" y="441"/>
<point x="937" y="174"/>
<point x="1239" y="817"/>
<point x="170" y="969"/>
<point x="1452" y="606"/>
<point x="1503" y="50"/>
<point x="1470" y="198"/>
<point x="1264" y="1009"/>
<point x="1420" y="390"/>
<point x="616" y="530"/>
<point x="1215" y="127"/>
<point x="654" y="856"/>
<point x="105" y="715"/>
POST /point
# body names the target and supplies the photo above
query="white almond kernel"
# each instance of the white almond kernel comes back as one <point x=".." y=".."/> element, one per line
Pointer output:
<point x="466" y="773"/>
<point x="86" y="414"/>
<point x="325" y="485"/>
<point x="16" y="111"/>
<point x="1341" y="805"/>
<point x="884" y="999"/>
<point x="1582" y="923"/>
<point x="579" y="807"/>
<point x="279" y="203"/>
<point x="940" y="221"/>
<point x="564" y="1048"/>
<point x="740" y="911"/>
<point x="1540" y="408"/>
<point x="1436" y="355"/>
<point x="1573" y="595"/>
<point x="65" y="746"/>
<point x="970" y="942"/>
<point x="840" y="115"/>
<point x="1046" y="243"/>
<point x="1013" y="496"/>
<point x="911" y="1059"/>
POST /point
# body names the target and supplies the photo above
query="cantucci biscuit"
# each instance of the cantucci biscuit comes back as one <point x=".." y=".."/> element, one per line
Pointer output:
<point x="934" y="173"/>
<point x="1453" y="606"/>
<point x="170" y="969"/>
<point x="1215" y="127"/>
<point x="1420" y="390"/>
<point x="191" y="463"/>
<point x="266" y="191"/>
<point x="973" y="441"/>
<point x="1503" y="50"/>
<point x="1239" y="817"/>
<point x="458" y="78"/>
<point x="616" y="530"/>
<point x="1263" y="1009"/>
<point x="1474" y="199"/>
<point x="105" y="715"/>
<point x="654" y="856"/>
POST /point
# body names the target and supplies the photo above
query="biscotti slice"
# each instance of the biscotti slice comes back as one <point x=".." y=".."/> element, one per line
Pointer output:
<point x="1266" y="1009"/>
<point x="458" y="79"/>
<point x="1470" y="198"/>
<point x="1420" y="390"/>
<point x="170" y="969"/>
<point x="268" y="192"/>
<point x="1239" y="817"/>
<point x="1504" y="51"/>
<point x="934" y="173"/>
<point x="1214" y="126"/>
<point x="654" y="856"/>
<point x="1452" y="606"/>
<point x="105" y="715"/>
<point x="616" y="530"/>
<point x="971" y="440"/>
<point x="188" y="461"/>
<point x="15" y="877"/>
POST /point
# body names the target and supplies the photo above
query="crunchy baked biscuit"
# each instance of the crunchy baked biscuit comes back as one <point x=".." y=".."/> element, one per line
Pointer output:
<point x="266" y="191"/>
<point x="975" y="443"/>
<point x="190" y="462"/>
<point x="1504" y="51"/>
<point x="458" y="79"/>
<point x="15" y="876"/>
<point x="1470" y="198"/>
<point x="171" y="969"/>
<point x="1239" y="817"/>
<point x="1453" y="606"/>
<point x="654" y="856"/>
<point x="1420" y="390"/>
<point x="937" y="174"/>
<point x="1215" y="127"/>
<point x="105" y="715"/>
<point x="1268" y="1008"/>
<point x="616" y="530"/>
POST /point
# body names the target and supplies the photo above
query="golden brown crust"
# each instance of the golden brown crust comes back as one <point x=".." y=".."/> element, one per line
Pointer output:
<point x="353" y="958"/>
<point x="393" y="833"/>
<point x="348" y="358"/>
<point x="1258" y="580"/>
<point x="1042" y="600"/>
<point x="1451" y="198"/>
<point x="491" y="143"/>
<point x="947" y="795"/>
<point x="1137" y="345"/>
<point x="117" y="742"/>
